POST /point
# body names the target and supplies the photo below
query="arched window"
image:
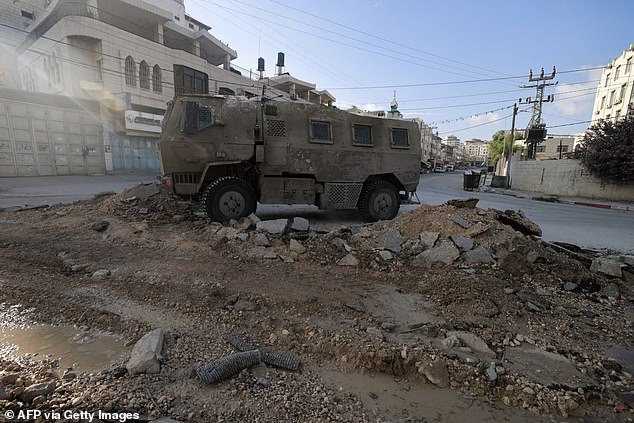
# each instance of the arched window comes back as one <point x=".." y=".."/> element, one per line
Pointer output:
<point x="130" y="71"/>
<point x="157" y="79"/>
<point x="144" y="75"/>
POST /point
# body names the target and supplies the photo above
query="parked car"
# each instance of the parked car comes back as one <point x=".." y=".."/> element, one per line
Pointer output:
<point x="439" y="169"/>
<point x="449" y="168"/>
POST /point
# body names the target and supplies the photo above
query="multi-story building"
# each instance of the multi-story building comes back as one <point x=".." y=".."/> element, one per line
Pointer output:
<point x="476" y="151"/>
<point x="615" y="91"/>
<point x="452" y="140"/>
<point x="555" y="147"/>
<point x="132" y="57"/>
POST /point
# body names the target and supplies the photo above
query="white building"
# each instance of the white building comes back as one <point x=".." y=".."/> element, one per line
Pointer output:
<point x="476" y="150"/>
<point x="555" y="147"/>
<point x="616" y="88"/>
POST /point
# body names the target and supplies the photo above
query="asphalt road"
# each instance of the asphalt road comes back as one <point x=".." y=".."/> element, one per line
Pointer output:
<point x="585" y="226"/>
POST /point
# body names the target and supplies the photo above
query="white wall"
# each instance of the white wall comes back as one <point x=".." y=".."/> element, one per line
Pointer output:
<point x="566" y="178"/>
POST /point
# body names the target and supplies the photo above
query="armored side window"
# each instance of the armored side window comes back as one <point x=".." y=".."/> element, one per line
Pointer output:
<point x="195" y="117"/>
<point x="399" y="138"/>
<point x="362" y="135"/>
<point x="320" y="131"/>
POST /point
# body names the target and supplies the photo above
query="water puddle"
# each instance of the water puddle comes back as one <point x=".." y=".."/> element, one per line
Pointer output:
<point x="392" y="400"/>
<point x="80" y="350"/>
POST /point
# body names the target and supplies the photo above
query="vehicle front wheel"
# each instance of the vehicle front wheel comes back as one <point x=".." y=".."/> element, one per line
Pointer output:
<point x="229" y="198"/>
<point x="378" y="201"/>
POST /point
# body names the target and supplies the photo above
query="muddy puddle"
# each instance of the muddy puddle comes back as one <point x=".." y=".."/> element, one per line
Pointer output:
<point x="393" y="399"/>
<point x="80" y="350"/>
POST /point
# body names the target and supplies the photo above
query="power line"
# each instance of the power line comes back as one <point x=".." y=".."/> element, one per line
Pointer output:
<point x="476" y="126"/>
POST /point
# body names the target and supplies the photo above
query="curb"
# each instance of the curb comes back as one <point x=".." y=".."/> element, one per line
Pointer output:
<point x="576" y="203"/>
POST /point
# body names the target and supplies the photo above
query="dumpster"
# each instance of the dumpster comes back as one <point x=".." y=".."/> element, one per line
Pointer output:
<point x="471" y="182"/>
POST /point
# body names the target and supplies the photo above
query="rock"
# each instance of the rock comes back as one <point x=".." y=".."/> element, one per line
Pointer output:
<point x="269" y="254"/>
<point x="296" y="247"/>
<point x="450" y="342"/>
<point x="528" y="390"/>
<point x="376" y="332"/>
<point x="245" y="305"/>
<point x="242" y="237"/>
<point x="100" y="226"/>
<point x="101" y="273"/>
<point x="261" y="240"/>
<point x="428" y="239"/>
<point x="607" y="267"/>
<point x="274" y="227"/>
<point x="385" y="255"/>
<point x="300" y="224"/>
<point x="35" y="390"/>
<point x="474" y="342"/>
<point x="144" y="210"/>
<point x="348" y="260"/>
<point x="4" y="394"/>
<point x="569" y="286"/>
<point x="445" y="252"/>
<point x="478" y="255"/>
<point x="491" y="374"/>
<point x="78" y="267"/>
<point x="243" y="224"/>
<point x="545" y="368"/>
<point x="460" y="221"/>
<point x="261" y="375"/>
<point x="436" y="373"/>
<point x="469" y="203"/>
<point x="519" y="222"/>
<point x="9" y="378"/>
<point x="509" y="290"/>
<point x="254" y="219"/>
<point x="533" y="307"/>
<point x="341" y="245"/>
<point x="146" y="353"/>
<point x="143" y="191"/>
<point x="462" y="242"/>
<point x="391" y="240"/>
<point x="610" y="291"/>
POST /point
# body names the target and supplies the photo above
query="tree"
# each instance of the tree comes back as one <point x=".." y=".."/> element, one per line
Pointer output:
<point x="607" y="150"/>
<point x="500" y="144"/>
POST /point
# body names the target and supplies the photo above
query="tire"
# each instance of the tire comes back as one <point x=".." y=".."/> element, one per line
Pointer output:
<point x="378" y="201"/>
<point x="229" y="198"/>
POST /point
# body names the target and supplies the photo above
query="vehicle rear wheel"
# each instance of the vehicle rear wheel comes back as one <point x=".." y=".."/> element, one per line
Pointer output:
<point x="229" y="198"/>
<point x="378" y="201"/>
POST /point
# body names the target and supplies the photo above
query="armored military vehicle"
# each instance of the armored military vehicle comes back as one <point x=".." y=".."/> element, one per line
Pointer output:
<point x="231" y="152"/>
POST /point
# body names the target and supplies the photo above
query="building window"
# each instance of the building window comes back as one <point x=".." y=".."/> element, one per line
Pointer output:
<point x="562" y="148"/>
<point x="320" y="131"/>
<point x="621" y="93"/>
<point x="177" y="18"/>
<point x="540" y="149"/>
<point x="607" y="80"/>
<point x="195" y="82"/>
<point x="144" y="75"/>
<point x="611" y="99"/>
<point x="617" y="72"/>
<point x="617" y="115"/>
<point x="191" y="26"/>
<point x="157" y="79"/>
<point x="628" y="65"/>
<point x="28" y="15"/>
<point x="130" y="71"/>
<point x="602" y="102"/>
<point x="399" y="138"/>
<point x="362" y="134"/>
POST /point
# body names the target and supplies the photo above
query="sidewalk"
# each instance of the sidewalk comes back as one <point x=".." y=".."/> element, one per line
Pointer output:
<point x="577" y="201"/>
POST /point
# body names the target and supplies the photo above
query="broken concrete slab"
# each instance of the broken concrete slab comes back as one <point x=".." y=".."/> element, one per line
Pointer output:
<point x="478" y="255"/>
<point x="546" y="368"/>
<point x="461" y="221"/>
<point x="519" y="222"/>
<point x="146" y="353"/>
<point x="385" y="255"/>
<point x="274" y="227"/>
<point x="477" y="345"/>
<point x="341" y="245"/>
<point x="436" y="372"/>
<point x="391" y="240"/>
<point x="462" y="242"/>
<point x="610" y="291"/>
<point x="348" y="260"/>
<point x="428" y="239"/>
<point x="254" y="219"/>
<point x="607" y="267"/>
<point x="469" y="203"/>
<point x="296" y="247"/>
<point x="143" y="192"/>
<point x="445" y="252"/>
<point x="261" y="240"/>
<point x="36" y="390"/>
<point x="300" y="224"/>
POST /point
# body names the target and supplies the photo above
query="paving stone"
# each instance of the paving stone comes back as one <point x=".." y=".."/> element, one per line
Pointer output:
<point x="461" y="221"/>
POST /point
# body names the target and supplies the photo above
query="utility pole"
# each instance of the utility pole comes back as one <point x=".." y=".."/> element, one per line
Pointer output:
<point x="510" y="156"/>
<point x="536" y="131"/>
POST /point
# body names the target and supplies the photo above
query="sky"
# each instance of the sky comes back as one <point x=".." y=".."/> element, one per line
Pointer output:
<point x="430" y="53"/>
